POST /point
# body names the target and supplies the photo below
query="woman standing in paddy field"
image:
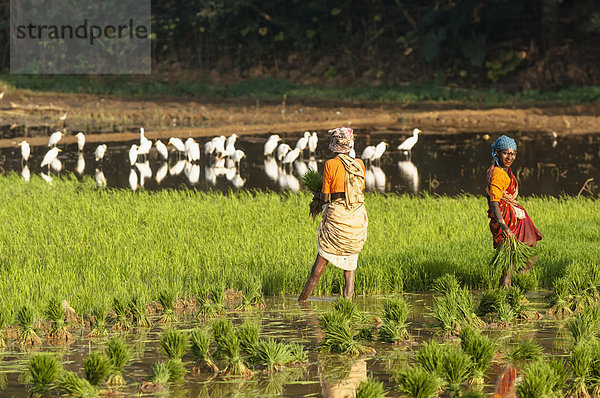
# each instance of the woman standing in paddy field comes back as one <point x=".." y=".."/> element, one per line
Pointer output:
<point x="343" y="227"/>
<point x="507" y="217"/>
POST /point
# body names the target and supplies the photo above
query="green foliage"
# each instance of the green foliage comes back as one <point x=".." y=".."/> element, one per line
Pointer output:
<point x="430" y="356"/>
<point x="137" y="307"/>
<point x="121" y="320"/>
<point x="396" y="309"/>
<point x="312" y="180"/>
<point x="298" y="353"/>
<point x="73" y="386"/>
<point x="96" y="368"/>
<point x="247" y="335"/>
<point x="176" y="370"/>
<point x="166" y="298"/>
<point x="584" y="325"/>
<point x="481" y="349"/>
<point x="200" y="344"/>
<point x="273" y="355"/>
<point x="161" y="373"/>
<point x="174" y="343"/>
<point x="100" y="313"/>
<point x="370" y="388"/>
<point x="118" y="356"/>
<point x="42" y="374"/>
<point x="417" y="382"/>
<point x="526" y="351"/>
<point x="542" y="379"/>
<point x="512" y="254"/>
<point x="456" y="368"/>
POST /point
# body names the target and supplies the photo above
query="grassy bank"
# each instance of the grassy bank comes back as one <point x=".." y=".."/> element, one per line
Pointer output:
<point x="278" y="89"/>
<point x="72" y="241"/>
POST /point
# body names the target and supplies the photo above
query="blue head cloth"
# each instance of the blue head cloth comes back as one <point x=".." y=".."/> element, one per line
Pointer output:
<point x="501" y="144"/>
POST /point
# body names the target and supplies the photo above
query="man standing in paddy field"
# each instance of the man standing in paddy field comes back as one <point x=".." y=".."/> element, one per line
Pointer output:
<point x="343" y="227"/>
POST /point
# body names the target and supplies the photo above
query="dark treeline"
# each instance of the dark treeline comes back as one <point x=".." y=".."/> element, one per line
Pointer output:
<point x="520" y="43"/>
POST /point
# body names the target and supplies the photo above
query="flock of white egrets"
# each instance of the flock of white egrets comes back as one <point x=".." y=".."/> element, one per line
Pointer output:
<point x="222" y="159"/>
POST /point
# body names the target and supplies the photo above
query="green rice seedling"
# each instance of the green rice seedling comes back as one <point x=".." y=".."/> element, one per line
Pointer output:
<point x="73" y="386"/>
<point x="456" y="369"/>
<point x="252" y="295"/>
<point x="490" y="300"/>
<point x="527" y="282"/>
<point x="54" y="312"/>
<point x="200" y="347"/>
<point x="446" y="284"/>
<point x="431" y="356"/>
<point x="100" y="314"/>
<point x="470" y="393"/>
<point x="174" y="343"/>
<point x="340" y="339"/>
<point x="137" y="307"/>
<point x="121" y="321"/>
<point x="584" y="326"/>
<point x="205" y="309"/>
<point x="118" y="356"/>
<point x="271" y="354"/>
<point x="365" y="333"/>
<point x="247" y="334"/>
<point x="333" y="317"/>
<point x="313" y="181"/>
<point x="512" y="253"/>
<point x="160" y="374"/>
<point x="481" y="349"/>
<point x="346" y="308"/>
<point x="217" y="295"/>
<point x="166" y="298"/>
<point x="42" y="373"/>
<point x="505" y="312"/>
<point x="396" y="309"/>
<point x="298" y="353"/>
<point x="392" y="332"/>
<point x="561" y="374"/>
<point x="560" y="305"/>
<point x="25" y="319"/>
<point x="517" y="301"/>
<point x="526" y="351"/>
<point x="176" y="370"/>
<point x="445" y="313"/>
<point x="370" y="388"/>
<point x="417" y="382"/>
<point x="541" y="379"/>
<point x="581" y="362"/>
<point x="96" y="368"/>
<point x="228" y="348"/>
<point x="222" y="331"/>
<point x="466" y="307"/>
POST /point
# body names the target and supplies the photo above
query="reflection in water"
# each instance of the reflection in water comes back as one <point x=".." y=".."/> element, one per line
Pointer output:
<point x="379" y="178"/>
<point x="192" y="172"/>
<point x="56" y="165"/>
<point x="100" y="178"/>
<point x="271" y="168"/>
<point x="80" y="167"/>
<point x="410" y="175"/>
<point x="211" y="175"/>
<point x="300" y="167"/>
<point x="145" y="172"/>
<point x="237" y="181"/>
<point x="177" y="168"/>
<point x="161" y="173"/>
<point x="133" y="179"/>
<point x="46" y="177"/>
<point x="25" y="173"/>
<point x="343" y="380"/>
<point x="369" y="179"/>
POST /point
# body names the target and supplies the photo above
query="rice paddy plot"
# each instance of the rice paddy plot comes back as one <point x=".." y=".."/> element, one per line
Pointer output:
<point x="444" y="164"/>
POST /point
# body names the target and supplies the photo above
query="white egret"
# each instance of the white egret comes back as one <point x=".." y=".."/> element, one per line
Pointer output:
<point x="25" y="173"/>
<point x="367" y="153"/>
<point x="54" y="138"/>
<point x="162" y="149"/>
<point x="209" y="148"/>
<point x="145" y="172"/>
<point x="133" y="179"/>
<point x="100" y="152"/>
<point x="50" y="156"/>
<point x="352" y="153"/>
<point x="192" y="151"/>
<point x="80" y="167"/>
<point x="56" y="165"/>
<point x="312" y="163"/>
<point x="281" y="178"/>
<point x="219" y="143"/>
<point x="271" y="144"/>
<point x="231" y="140"/>
<point x="282" y="150"/>
<point x="230" y="172"/>
<point x="177" y="144"/>
<point x="379" y="150"/>
<point x="303" y="142"/>
<point x="161" y="173"/>
<point x="291" y="156"/>
<point x="410" y="142"/>
<point x="133" y="154"/>
<point x="313" y="141"/>
<point x="237" y="157"/>
<point x="271" y="168"/>
<point x="100" y="178"/>
<point x="80" y="141"/>
<point x="145" y="144"/>
<point x="177" y="168"/>
<point x="25" y="150"/>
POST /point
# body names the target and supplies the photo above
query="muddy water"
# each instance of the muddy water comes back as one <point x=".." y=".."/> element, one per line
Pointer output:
<point x="439" y="164"/>
<point x="326" y="375"/>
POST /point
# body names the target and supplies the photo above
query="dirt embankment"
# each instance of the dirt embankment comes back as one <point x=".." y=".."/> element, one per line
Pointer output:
<point x="35" y="116"/>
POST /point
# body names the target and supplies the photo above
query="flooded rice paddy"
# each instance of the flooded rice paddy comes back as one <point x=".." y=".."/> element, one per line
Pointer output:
<point x="324" y="375"/>
<point x="439" y="164"/>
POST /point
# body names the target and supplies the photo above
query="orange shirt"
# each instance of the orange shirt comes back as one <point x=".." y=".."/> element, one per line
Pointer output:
<point x="334" y="175"/>
<point x="499" y="183"/>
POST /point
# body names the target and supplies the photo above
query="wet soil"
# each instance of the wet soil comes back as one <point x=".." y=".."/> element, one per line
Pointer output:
<point x="117" y="118"/>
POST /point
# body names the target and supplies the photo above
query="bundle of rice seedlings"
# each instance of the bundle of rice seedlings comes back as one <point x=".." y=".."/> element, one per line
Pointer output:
<point x="200" y="346"/>
<point x="205" y="309"/>
<point x="542" y="379"/>
<point x="584" y="326"/>
<point x="581" y="361"/>
<point x="166" y="298"/>
<point x="333" y="317"/>
<point x="99" y="314"/>
<point x="346" y="308"/>
<point x="430" y="356"/>
<point x="365" y="333"/>
<point x="228" y="348"/>
<point x="394" y="327"/>
<point x="160" y="374"/>
<point x="391" y="332"/>
<point x="517" y="301"/>
<point x="527" y="351"/>
<point x="121" y="319"/>
<point x="370" y="388"/>
<point x="340" y="339"/>
<point x="396" y="309"/>
<point x="313" y="181"/>
<point x="465" y="307"/>
<point x="298" y="353"/>
<point x="42" y="373"/>
<point x="271" y="354"/>
<point x="118" y="356"/>
<point x="137" y="307"/>
<point x="490" y="300"/>
<point x="176" y="370"/>
<point x="418" y="383"/>
<point x="247" y="335"/>
<point x="446" y="284"/>
<point x="174" y="343"/>
<point x="456" y="369"/>
<point x="217" y="295"/>
<point x="96" y="368"/>
<point x="252" y="296"/>
<point x="54" y="312"/>
<point x="73" y="386"/>
<point x="445" y="313"/>
<point x="481" y="349"/>
<point x="560" y="305"/>
<point x="505" y="312"/>
<point x="25" y="319"/>
<point x="512" y="253"/>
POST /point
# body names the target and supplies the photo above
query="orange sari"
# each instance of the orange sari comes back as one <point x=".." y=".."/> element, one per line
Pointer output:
<point x="504" y="191"/>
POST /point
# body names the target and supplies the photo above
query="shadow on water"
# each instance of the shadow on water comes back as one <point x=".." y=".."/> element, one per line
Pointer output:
<point x="438" y="164"/>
